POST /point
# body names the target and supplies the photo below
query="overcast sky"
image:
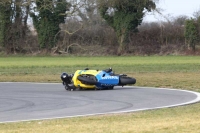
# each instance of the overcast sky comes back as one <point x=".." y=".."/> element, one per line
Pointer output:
<point x="175" y="8"/>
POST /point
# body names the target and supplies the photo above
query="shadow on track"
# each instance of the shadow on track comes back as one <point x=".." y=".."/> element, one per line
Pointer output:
<point x="114" y="89"/>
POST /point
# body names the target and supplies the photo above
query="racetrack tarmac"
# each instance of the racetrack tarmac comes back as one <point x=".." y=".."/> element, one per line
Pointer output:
<point x="37" y="101"/>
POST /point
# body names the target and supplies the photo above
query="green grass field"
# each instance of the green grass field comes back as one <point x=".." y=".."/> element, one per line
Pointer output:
<point x="56" y="65"/>
<point x="181" y="72"/>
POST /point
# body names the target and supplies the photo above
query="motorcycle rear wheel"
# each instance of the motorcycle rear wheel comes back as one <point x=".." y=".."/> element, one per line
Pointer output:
<point x="127" y="80"/>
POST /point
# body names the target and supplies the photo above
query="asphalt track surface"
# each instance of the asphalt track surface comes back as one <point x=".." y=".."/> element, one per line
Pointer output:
<point x="35" y="101"/>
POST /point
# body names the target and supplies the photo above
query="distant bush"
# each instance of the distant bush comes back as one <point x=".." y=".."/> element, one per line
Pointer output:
<point x="155" y="38"/>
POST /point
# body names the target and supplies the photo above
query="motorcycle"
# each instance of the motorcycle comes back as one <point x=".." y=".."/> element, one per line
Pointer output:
<point x="95" y="79"/>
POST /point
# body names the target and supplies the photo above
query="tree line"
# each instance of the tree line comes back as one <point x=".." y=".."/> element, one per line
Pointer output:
<point x="72" y="26"/>
<point x="46" y="16"/>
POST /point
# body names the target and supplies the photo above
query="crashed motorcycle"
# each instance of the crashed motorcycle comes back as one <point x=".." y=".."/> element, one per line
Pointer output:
<point x="95" y="79"/>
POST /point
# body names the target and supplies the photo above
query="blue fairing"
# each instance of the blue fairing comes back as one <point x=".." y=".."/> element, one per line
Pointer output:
<point x="105" y="79"/>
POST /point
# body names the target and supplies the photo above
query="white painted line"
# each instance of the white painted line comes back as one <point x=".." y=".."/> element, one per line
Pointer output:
<point x="119" y="112"/>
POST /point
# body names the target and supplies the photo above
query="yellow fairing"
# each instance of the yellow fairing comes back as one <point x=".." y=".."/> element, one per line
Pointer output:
<point x="77" y="83"/>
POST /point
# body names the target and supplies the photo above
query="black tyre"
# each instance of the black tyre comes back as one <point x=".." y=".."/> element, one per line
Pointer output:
<point x="127" y="80"/>
<point x="87" y="80"/>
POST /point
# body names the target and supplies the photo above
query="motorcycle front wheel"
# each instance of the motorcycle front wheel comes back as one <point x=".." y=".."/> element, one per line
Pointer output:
<point x="87" y="80"/>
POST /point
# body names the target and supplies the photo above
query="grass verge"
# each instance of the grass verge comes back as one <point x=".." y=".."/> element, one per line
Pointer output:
<point x="182" y="72"/>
